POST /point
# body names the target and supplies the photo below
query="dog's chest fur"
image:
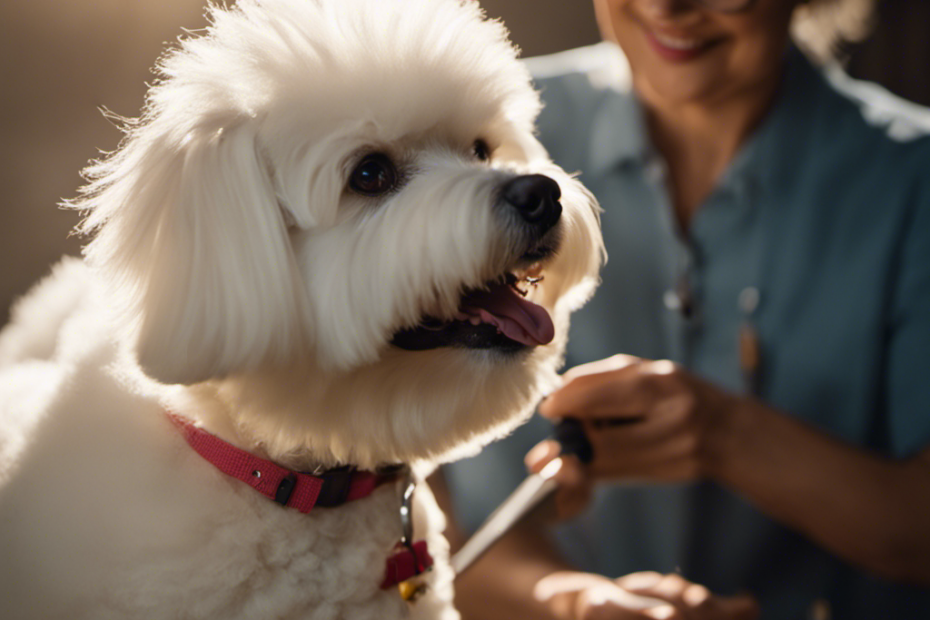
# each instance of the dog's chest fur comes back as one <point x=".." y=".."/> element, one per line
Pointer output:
<point x="118" y="518"/>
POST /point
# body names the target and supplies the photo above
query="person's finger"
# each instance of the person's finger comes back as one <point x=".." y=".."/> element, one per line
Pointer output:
<point x="660" y="447"/>
<point x="615" y="362"/>
<point x="565" y="581"/>
<point x="670" y="588"/>
<point x="607" y="395"/>
<point x="575" y="488"/>
<point x="639" y="580"/>
<point x="616" y="393"/>
<point x="696" y="595"/>
<point x="666" y="461"/>
<point x="606" y="601"/>
<point x="675" y="458"/>
<point x="541" y="454"/>
<point x="575" y="485"/>
<point x="695" y="600"/>
<point x="560" y="591"/>
<point x="669" y="415"/>
<point x="633" y="442"/>
<point x="584" y="595"/>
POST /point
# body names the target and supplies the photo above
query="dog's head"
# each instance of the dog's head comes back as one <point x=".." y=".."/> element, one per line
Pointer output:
<point x="347" y="193"/>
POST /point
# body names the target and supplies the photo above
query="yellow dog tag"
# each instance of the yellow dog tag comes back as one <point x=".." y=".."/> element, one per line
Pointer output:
<point x="410" y="591"/>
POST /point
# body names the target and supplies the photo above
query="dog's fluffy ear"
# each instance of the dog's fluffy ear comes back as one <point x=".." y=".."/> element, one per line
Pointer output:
<point x="194" y="244"/>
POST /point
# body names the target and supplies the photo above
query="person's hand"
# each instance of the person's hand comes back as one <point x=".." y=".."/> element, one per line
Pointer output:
<point x="675" y="424"/>
<point x="638" y="596"/>
<point x="575" y="485"/>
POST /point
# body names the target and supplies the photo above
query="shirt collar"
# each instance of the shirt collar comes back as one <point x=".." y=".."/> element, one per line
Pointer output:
<point x="618" y="130"/>
<point x="619" y="136"/>
<point x="772" y="156"/>
<point x="618" y="133"/>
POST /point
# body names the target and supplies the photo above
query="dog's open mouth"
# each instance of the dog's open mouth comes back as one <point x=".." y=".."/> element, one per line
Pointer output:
<point x="497" y="316"/>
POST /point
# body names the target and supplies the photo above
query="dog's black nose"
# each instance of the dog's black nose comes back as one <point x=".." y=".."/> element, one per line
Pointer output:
<point x="536" y="198"/>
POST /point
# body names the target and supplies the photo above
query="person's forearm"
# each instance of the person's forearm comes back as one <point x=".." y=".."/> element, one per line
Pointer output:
<point x="872" y="511"/>
<point x="500" y="585"/>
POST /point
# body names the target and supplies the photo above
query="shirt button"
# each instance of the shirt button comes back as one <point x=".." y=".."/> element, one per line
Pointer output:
<point x="748" y="300"/>
<point x="680" y="301"/>
<point x="655" y="172"/>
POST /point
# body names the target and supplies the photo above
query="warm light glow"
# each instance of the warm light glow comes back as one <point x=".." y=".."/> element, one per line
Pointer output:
<point x="662" y="367"/>
<point x="551" y="469"/>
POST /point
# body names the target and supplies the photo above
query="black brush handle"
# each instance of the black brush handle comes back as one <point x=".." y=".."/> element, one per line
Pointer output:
<point x="569" y="432"/>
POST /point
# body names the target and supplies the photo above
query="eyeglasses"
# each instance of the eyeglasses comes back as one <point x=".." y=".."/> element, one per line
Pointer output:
<point x="726" y="6"/>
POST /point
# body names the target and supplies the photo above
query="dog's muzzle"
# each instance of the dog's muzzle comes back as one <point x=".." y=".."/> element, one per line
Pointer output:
<point x="498" y="315"/>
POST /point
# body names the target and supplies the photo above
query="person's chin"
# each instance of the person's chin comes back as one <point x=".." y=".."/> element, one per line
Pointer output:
<point x="660" y="84"/>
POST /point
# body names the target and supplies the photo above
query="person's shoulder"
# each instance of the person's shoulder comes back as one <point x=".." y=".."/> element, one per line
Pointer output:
<point x="884" y="138"/>
<point x="602" y="65"/>
<point x="580" y="76"/>
<point x="573" y="86"/>
<point x="900" y="120"/>
<point x="862" y="125"/>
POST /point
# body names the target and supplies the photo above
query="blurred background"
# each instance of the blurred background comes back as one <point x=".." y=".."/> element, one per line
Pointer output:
<point x="61" y="61"/>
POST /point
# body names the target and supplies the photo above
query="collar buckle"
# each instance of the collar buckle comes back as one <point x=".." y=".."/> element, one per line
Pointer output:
<point x="336" y="485"/>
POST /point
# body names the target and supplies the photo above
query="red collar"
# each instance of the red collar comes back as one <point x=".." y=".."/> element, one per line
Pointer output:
<point x="305" y="491"/>
<point x="288" y="488"/>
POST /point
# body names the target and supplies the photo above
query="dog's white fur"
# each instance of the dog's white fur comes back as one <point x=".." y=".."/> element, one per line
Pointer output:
<point x="256" y="295"/>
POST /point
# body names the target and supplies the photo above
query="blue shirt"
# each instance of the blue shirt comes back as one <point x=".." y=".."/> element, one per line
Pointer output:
<point x="822" y="220"/>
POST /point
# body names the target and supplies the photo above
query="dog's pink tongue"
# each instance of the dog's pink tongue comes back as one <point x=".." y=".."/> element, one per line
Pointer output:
<point x="518" y="318"/>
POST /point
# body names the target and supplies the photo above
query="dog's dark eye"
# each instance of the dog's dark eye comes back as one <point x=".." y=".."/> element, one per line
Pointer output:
<point x="481" y="150"/>
<point x="374" y="175"/>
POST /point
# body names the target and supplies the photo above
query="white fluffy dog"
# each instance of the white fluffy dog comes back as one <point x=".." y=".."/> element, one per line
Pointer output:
<point x="331" y="240"/>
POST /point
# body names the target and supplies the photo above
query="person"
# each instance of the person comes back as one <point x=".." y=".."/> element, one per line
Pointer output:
<point x="767" y="221"/>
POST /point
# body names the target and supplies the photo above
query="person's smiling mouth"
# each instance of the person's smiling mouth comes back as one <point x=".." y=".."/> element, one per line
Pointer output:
<point x="677" y="47"/>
